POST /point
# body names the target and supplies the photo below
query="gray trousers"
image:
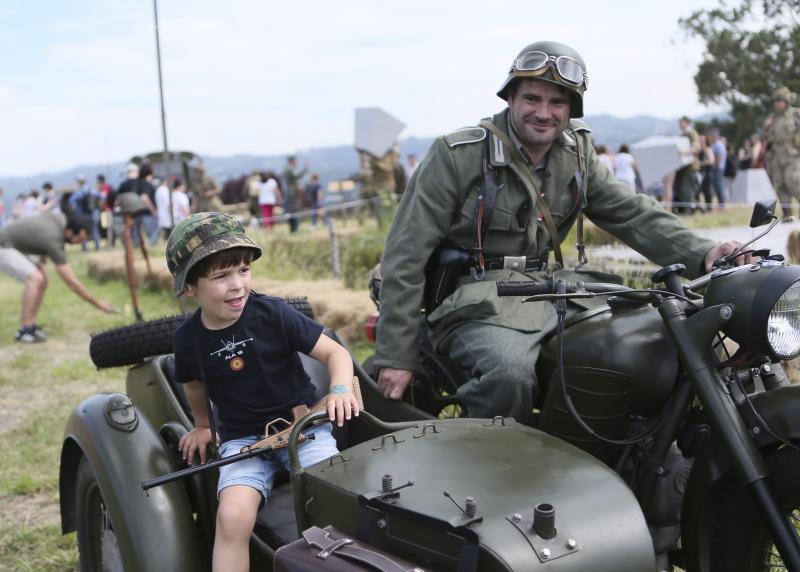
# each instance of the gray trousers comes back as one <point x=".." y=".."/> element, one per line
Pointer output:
<point x="502" y="366"/>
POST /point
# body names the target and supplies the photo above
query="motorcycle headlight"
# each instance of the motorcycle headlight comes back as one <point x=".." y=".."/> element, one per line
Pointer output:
<point x="766" y="302"/>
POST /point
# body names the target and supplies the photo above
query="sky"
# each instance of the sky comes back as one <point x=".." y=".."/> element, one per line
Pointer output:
<point x="78" y="80"/>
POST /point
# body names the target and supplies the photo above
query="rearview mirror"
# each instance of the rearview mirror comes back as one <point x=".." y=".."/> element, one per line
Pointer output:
<point x="763" y="212"/>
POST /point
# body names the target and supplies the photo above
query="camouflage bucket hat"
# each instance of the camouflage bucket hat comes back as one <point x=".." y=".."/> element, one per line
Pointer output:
<point x="199" y="236"/>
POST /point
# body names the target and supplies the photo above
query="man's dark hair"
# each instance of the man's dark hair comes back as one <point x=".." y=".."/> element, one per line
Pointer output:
<point x="145" y="170"/>
<point x="624" y="148"/>
<point x="76" y="222"/>
<point x="47" y="186"/>
<point x="217" y="261"/>
<point x="101" y="178"/>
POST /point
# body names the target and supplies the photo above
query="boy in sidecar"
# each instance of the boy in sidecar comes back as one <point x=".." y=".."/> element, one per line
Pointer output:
<point x="240" y="350"/>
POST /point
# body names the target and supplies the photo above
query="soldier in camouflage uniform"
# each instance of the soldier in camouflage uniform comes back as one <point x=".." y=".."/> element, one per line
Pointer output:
<point x="205" y="191"/>
<point x="536" y="153"/>
<point x="782" y="135"/>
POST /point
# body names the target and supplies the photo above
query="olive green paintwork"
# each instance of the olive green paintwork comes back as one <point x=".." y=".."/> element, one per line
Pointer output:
<point x="620" y="362"/>
<point x="507" y="468"/>
<point x="158" y="531"/>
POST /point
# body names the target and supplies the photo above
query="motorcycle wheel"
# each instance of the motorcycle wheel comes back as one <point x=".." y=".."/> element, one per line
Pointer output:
<point x="97" y="541"/>
<point x="433" y="389"/>
<point x="132" y="344"/>
<point x="740" y="541"/>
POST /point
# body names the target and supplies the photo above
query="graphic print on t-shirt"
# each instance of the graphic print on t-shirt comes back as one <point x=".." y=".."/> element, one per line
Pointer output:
<point x="232" y="352"/>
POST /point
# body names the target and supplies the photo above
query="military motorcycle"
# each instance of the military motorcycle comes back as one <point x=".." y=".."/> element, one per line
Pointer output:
<point x="680" y="390"/>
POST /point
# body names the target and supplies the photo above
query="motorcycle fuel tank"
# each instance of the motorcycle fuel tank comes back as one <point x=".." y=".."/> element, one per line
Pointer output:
<point x="619" y="362"/>
<point x="401" y="492"/>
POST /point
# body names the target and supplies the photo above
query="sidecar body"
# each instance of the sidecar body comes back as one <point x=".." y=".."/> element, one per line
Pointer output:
<point x="454" y="494"/>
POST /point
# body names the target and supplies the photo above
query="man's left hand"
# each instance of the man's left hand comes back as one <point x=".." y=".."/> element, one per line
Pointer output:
<point x="724" y="249"/>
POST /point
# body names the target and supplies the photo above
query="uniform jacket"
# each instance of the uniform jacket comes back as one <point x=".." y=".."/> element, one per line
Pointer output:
<point x="783" y="135"/>
<point x="438" y="205"/>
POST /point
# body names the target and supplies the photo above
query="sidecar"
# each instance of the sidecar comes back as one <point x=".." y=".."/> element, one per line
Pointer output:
<point x="455" y="494"/>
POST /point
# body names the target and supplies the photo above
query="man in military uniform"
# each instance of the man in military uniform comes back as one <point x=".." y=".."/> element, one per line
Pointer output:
<point x="292" y="191"/>
<point x="532" y="153"/>
<point x="378" y="180"/>
<point x="685" y="183"/>
<point x="205" y="191"/>
<point x="782" y="135"/>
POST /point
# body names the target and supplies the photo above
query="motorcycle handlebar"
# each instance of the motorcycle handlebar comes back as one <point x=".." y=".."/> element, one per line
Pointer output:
<point x="531" y="288"/>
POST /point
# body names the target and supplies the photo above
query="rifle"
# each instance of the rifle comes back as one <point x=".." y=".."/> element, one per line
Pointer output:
<point x="277" y="440"/>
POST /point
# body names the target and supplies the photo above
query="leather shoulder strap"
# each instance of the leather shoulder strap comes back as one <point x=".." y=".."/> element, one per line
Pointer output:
<point x="540" y="204"/>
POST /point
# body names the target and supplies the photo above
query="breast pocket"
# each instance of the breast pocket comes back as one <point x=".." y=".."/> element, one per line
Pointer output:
<point x="502" y="215"/>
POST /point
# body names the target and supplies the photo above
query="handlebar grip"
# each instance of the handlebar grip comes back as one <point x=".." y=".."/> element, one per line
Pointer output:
<point x="523" y="288"/>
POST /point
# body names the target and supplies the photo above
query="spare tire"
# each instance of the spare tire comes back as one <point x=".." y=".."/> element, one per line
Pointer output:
<point x="132" y="344"/>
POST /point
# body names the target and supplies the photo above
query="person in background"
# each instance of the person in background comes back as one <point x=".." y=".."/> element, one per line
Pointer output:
<point x="42" y="235"/>
<point x="269" y="195"/>
<point x="150" y="219"/>
<point x="180" y="202"/>
<point x="292" y="191"/>
<point x="625" y="166"/>
<point x="684" y="185"/>
<point x="782" y="156"/>
<point x="32" y="205"/>
<point x="706" y="159"/>
<point x="605" y="156"/>
<point x="720" y="154"/>
<point x="411" y="165"/>
<point x="205" y="191"/>
<point x="313" y="193"/>
<point x="730" y="170"/>
<point x="2" y="209"/>
<point x="162" y="201"/>
<point x="50" y="200"/>
<point x="106" y="209"/>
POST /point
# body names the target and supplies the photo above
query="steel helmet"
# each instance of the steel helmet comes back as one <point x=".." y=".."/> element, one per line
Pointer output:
<point x="553" y="62"/>
<point x="201" y="235"/>
<point x="783" y="93"/>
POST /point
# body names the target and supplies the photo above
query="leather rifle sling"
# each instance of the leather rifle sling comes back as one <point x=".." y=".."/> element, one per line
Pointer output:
<point x="540" y="204"/>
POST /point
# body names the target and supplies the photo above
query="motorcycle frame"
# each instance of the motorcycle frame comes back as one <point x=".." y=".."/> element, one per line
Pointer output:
<point x="692" y="335"/>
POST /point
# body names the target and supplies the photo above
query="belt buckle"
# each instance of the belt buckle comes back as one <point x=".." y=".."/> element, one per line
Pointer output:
<point x="515" y="263"/>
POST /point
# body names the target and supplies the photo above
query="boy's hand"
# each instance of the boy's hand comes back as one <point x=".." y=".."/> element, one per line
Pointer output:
<point x="341" y="404"/>
<point x="195" y="440"/>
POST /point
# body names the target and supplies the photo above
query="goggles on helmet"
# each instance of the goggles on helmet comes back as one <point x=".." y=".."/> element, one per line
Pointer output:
<point x="535" y="63"/>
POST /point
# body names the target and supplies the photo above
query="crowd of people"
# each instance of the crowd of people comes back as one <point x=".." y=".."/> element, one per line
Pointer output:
<point x="704" y="182"/>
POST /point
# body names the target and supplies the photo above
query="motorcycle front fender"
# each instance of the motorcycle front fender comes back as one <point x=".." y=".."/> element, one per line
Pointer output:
<point x="780" y="410"/>
<point x="154" y="530"/>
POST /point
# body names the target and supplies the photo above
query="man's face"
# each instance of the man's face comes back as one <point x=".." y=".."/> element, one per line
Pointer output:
<point x="222" y="295"/>
<point x="539" y="112"/>
<point x="684" y="125"/>
<point x="779" y="105"/>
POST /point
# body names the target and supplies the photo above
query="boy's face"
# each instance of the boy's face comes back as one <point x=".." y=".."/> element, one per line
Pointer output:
<point x="221" y="295"/>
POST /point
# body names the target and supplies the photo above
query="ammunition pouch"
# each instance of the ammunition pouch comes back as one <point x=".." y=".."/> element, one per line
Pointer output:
<point x="445" y="266"/>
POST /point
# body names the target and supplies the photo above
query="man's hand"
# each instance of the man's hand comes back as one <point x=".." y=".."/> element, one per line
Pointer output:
<point x="106" y="307"/>
<point x="195" y="440"/>
<point x="724" y="249"/>
<point x="392" y="383"/>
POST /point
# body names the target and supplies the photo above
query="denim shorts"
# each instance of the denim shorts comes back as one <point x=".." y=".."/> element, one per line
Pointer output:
<point x="260" y="473"/>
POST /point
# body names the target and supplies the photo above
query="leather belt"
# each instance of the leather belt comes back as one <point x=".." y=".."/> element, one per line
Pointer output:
<point x="518" y="263"/>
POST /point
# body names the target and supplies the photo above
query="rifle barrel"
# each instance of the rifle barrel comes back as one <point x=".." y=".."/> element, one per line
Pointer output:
<point x="189" y="471"/>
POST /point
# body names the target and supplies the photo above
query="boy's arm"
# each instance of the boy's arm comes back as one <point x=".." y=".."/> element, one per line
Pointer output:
<point x="341" y="401"/>
<point x="198" y="438"/>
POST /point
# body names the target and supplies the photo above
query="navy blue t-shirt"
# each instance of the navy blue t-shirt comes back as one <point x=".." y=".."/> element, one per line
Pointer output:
<point x="252" y="370"/>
